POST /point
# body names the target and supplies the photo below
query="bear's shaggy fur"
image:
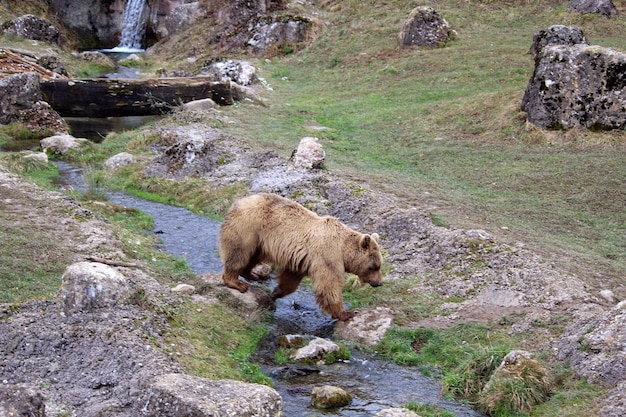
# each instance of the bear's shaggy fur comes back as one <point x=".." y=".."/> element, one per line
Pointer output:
<point x="270" y="228"/>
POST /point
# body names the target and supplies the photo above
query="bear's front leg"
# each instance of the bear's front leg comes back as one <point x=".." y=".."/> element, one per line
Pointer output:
<point x="231" y="279"/>
<point x="330" y="299"/>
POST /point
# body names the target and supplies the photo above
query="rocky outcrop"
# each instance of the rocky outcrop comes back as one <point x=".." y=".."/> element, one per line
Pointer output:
<point x="95" y="22"/>
<point x="605" y="8"/>
<point x="98" y="23"/>
<point x="21" y="101"/>
<point x="32" y="27"/>
<point x="236" y="12"/>
<point x="577" y="86"/>
<point x="178" y="19"/>
<point x="277" y="33"/>
<point x="595" y="344"/>
<point x="425" y="27"/>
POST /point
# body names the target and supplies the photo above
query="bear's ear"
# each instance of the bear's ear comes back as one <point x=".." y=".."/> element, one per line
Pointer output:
<point x="365" y="241"/>
<point x="375" y="237"/>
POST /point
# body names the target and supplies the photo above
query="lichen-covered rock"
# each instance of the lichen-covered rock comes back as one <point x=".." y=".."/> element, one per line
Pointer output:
<point x="282" y="32"/>
<point x="41" y="117"/>
<point x="180" y="395"/>
<point x="328" y="396"/>
<point x="19" y="92"/>
<point x="32" y="27"/>
<point x="557" y="35"/>
<point x="605" y="8"/>
<point x="241" y="72"/>
<point x="577" y="86"/>
<point x="89" y="286"/>
<point x="425" y="27"/>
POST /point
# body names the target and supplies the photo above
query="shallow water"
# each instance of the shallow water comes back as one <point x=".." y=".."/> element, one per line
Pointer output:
<point x="182" y="232"/>
<point x="373" y="383"/>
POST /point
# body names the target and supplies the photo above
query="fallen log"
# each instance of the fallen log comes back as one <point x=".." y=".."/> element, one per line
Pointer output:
<point x="110" y="97"/>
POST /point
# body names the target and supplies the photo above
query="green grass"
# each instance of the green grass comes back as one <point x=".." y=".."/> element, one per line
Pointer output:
<point x="467" y="357"/>
<point x="31" y="264"/>
<point x="213" y="342"/>
<point x="426" y="410"/>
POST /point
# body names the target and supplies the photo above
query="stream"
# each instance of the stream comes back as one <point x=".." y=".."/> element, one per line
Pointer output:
<point x="374" y="384"/>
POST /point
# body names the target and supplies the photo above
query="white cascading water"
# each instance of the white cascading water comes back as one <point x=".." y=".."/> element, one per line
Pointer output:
<point x="133" y="26"/>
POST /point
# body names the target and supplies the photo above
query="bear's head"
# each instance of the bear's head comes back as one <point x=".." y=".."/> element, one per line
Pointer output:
<point x="367" y="260"/>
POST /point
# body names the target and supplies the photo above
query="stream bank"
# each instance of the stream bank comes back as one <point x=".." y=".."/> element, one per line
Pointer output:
<point x="193" y="237"/>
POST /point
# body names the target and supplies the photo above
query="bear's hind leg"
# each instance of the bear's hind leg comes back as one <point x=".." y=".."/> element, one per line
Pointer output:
<point x="252" y="273"/>
<point x="288" y="282"/>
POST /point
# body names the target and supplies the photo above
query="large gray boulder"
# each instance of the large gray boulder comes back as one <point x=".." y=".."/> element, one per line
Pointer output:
<point x="60" y="144"/>
<point x="425" y="27"/>
<point x="21" y="101"/>
<point x="605" y="8"/>
<point x="89" y="286"/>
<point x="577" y="86"/>
<point x="97" y="23"/>
<point x="17" y="93"/>
<point x="32" y="27"/>
<point x="180" y="395"/>
<point x="271" y="33"/>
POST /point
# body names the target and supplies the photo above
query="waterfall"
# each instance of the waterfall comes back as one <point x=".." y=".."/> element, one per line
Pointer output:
<point x="133" y="25"/>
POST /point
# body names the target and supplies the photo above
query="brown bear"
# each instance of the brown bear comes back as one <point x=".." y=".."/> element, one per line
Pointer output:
<point x="270" y="228"/>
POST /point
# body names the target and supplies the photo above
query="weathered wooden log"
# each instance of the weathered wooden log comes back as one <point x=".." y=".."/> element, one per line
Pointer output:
<point x="105" y="97"/>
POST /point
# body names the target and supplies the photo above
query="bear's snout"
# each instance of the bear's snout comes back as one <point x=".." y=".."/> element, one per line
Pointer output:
<point x="376" y="284"/>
